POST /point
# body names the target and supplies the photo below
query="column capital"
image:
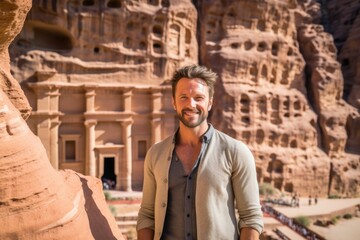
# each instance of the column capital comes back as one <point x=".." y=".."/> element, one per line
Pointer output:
<point x="127" y="122"/>
<point x="90" y="122"/>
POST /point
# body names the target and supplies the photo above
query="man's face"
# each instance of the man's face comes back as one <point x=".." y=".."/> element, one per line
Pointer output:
<point x="192" y="102"/>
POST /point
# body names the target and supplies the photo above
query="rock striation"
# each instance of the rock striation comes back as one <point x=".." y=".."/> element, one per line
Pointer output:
<point x="36" y="201"/>
<point x="288" y="83"/>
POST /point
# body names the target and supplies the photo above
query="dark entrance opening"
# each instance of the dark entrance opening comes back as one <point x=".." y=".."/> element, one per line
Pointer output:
<point x="109" y="177"/>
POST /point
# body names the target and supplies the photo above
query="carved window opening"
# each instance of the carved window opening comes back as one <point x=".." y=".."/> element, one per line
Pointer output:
<point x="88" y="3"/>
<point x="277" y="166"/>
<point x="261" y="25"/>
<point x="284" y="79"/>
<point x="248" y="45"/>
<point x="245" y="103"/>
<point x="275" y="49"/>
<point x="153" y="2"/>
<point x="253" y="72"/>
<point x="245" y="120"/>
<point x="142" y="149"/>
<point x="187" y="36"/>
<point x="289" y="187"/>
<point x="260" y="135"/>
<point x="261" y="103"/>
<point x="264" y="72"/>
<point x="297" y="105"/>
<point x="345" y="62"/>
<point x="130" y="25"/>
<point x="278" y="183"/>
<point x="293" y="144"/>
<point x="286" y="104"/>
<point x="69" y="151"/>
<point x="235" y="45"/>
<point x="142" y="45"/>
<point x="246" y="136"/>
<point x="290" y="52"/>
<point x="165" y="3"/>
<point x="157" y="30"/>
<point x="96" y="50"/>
<point x="262" y="46"/>
<point x="273" y="76"/>
<point x="284" y="140"/>
<point x="128" y="42"/>
<point x="52" y="39"/>
<point x="114" y="4"/>
<point x="157" y="47"/>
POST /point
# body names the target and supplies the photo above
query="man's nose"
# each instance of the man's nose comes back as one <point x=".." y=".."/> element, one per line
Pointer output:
<point x="192" y="102"/>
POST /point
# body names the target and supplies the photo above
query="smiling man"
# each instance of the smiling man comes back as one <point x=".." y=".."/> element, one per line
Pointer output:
<point x="196" y="180"/>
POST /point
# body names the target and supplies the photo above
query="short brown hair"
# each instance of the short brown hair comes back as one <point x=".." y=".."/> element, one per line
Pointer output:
<point x="195" y="71"/>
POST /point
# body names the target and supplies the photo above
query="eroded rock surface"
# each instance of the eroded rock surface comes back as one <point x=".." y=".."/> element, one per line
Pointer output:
<point x="287" y="85"/>
<point x="36" y="201"/>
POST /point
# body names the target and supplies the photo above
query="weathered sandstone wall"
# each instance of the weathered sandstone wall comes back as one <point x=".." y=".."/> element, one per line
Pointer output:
<point x="36" y="201"/>
<point x="288" y="82"/>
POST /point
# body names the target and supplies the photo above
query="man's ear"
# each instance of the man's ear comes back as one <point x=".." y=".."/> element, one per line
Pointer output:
<point x="210" y="104"/>
<point x="173" y="103"/>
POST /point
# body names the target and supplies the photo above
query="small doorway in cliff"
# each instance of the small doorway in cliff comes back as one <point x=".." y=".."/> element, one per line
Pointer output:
<point x="109" y="177"/>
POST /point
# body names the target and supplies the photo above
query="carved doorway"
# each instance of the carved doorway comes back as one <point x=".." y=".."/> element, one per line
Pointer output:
<point x="109" y="176"/>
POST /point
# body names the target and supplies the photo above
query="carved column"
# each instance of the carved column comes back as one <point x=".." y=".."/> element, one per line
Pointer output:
<point x="156" y="116"/>
<point x="54" y="142"/>
<point x="127" y="100"/>
<point x="54" y="126"/>
<point x="125" y="178"/>
<point x="90" y="98"/>
<point x="90" y="148"/>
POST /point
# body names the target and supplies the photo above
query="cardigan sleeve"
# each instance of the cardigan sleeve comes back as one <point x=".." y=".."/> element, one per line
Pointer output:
<point x="246" y="189"/>
<point x="146" y="217"/>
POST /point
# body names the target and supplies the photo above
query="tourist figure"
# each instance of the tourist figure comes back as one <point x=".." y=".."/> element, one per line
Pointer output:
<point x="309" y="199"/>
<point x="315" y="199"/>
<point x="193" y="178"/>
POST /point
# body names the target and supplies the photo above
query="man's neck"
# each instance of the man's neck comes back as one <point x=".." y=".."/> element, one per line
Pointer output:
<point x="191" y="136"/>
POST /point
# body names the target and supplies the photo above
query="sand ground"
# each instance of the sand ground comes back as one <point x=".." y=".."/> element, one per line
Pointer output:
<point x="343" y="229"/>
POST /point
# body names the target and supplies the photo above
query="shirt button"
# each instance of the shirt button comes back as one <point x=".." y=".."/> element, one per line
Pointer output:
<point x="188" y="215"/>
<point x="188" y="196"/>
<point x="163" y="204"/>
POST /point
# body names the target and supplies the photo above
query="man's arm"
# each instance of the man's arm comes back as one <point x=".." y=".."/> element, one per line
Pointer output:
<point x="146" y="234"/>
<point x="248" y="233"/>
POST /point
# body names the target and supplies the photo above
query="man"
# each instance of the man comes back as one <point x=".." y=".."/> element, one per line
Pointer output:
<point x="195" y="180"/>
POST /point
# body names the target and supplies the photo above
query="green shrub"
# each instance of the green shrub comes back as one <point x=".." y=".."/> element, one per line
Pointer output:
<point x="303" y="220"/>
<point x="334" y="196"/>
<point x="107" y="196"/>
<point x="112" y="210"/>
<point x="347" y="216"/>
<point x="266" y="189"/>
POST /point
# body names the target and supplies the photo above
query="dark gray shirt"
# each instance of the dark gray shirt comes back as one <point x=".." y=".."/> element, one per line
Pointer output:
<point x="180" y="220"/>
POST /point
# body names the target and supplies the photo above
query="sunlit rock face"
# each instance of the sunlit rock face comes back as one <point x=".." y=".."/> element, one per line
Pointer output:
<point x="37" y="202"/>
<point x="288" y="77"/>
<point x="280" y="91"/>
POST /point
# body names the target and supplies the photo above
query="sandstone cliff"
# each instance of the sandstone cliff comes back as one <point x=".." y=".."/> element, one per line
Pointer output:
<point x="286" y="87"/>
<point x="36" y="201"/>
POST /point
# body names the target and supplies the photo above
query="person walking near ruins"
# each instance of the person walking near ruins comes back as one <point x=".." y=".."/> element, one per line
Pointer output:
<point x="195" y="180"/>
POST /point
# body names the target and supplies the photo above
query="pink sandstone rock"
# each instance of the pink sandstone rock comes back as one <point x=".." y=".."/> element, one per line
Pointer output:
<point x="96" y="75"/>
<point x="36" y="201"/>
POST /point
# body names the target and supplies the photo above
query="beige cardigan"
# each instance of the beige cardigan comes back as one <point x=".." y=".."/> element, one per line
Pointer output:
<point x="226" y="173"/>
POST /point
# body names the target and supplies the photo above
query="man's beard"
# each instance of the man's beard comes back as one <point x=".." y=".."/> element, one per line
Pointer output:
<point x="190" y="124"/>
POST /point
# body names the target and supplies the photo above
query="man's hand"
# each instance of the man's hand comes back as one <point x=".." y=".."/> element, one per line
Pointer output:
<point x="248" y="233"/>
<point x="145" y="234"/>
